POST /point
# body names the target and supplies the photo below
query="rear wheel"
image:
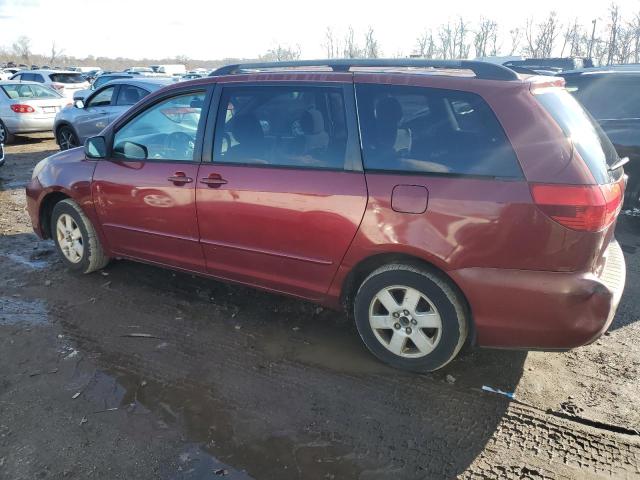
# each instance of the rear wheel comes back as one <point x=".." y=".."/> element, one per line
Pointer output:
<point x="5" y="136"/>
<point x="411" y="318"/>
<point x="76" y="239"/>
<point x="67" y="138"/>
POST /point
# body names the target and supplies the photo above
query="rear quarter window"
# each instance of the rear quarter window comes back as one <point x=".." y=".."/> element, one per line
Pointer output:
<point x="585" y="134"/>
<point x="436" y="131"/>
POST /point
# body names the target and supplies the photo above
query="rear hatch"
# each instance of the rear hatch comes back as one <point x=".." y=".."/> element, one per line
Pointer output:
<point x="68" y="81"/>
<point x="590" y="208"/>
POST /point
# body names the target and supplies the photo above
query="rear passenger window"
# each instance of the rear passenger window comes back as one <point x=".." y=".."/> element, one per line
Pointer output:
<point x="427" y="130"/>
<point x="288" y="126"/>
<point x="130" y="95"/>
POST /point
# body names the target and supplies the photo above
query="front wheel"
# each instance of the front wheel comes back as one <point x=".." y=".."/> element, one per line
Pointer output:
<point x="67" y="138"/>
<point x="411" y="318"/>
<point x="76" y="239"/>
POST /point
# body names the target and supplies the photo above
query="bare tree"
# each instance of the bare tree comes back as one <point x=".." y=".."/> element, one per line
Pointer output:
<point x="426" y="47"/>
<point x="22" y="48"/>
<point x="445" y="36"/>
<point x="514" y="35"/>
<point x="485" y="38"/>
<point x="634" y="26"/>
<point x="332" y="44"/>
<point x="280" y="53"/>
<point x="461" y="46"/>
<point x="371" y="49"/>
<point x="572" y="37"/>
<point x="614" y="31"/>
<point x="541" y="38"/>
<point x="182" y="60"/>
<point x="351" y="48"/>
<point x="55" y="53"/>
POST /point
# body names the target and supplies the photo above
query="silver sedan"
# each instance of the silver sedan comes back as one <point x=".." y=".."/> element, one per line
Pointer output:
<point x="85" y="119"/>
<point x="27" y="107"/>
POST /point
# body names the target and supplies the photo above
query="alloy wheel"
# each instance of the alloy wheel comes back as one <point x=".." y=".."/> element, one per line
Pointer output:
<point x="405" y="321"/>
<point x="70" y="238"/>
<point x="67" y="139"/>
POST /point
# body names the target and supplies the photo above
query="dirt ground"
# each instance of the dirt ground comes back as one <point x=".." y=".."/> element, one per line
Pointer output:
<point x="139" y="372"/>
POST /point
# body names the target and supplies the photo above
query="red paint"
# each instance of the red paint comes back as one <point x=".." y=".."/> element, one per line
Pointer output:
<point x="529" y="281"/>
<point x="409" y="198"/>
<point x="147" y="211"/>
<point x="281" y="229"/>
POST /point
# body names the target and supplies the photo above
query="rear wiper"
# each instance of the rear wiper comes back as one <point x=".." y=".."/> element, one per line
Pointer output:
<point x="618" y="164"/>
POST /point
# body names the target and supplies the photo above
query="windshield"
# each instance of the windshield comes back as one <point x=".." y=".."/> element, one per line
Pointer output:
<point x="585" y="134"/>
<point x="67" y="78"/>
<point x="21" y="91"/>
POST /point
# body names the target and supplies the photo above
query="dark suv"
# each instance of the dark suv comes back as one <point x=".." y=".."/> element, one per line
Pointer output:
<point x="613" y="99"/>
<point x="438" y="202"/>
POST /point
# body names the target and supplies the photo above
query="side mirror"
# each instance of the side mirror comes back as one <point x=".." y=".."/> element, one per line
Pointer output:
<point x="79" y="103"/>
<point x="130" y="151"/>
<point x="95" y="147"/>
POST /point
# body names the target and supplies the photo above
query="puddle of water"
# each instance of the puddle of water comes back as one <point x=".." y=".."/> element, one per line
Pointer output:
<point x="196" y="464"/>
<point x="14" y="184"/>
<point x="15" y="311"/>
<point x="35" y="264"/>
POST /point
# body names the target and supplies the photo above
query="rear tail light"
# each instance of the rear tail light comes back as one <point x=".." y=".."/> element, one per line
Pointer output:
<point x="19" y="108"/>
<point x="589" y="208"/>
<point x="58" y="86"/>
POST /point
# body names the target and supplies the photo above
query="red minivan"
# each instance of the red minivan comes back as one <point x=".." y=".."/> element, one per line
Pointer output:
<point x="439" y="202"/>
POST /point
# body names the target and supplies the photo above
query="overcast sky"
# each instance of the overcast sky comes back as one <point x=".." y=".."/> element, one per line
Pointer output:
<point x="240" y="28"/>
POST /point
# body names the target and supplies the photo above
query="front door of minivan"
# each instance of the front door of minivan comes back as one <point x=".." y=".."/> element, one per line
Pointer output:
<point x="284" y="194"/>
<point x="145" y="193"/>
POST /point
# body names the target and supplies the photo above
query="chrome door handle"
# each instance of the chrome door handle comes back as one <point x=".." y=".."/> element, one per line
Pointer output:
<point x="180" y="179"/>
<point x="213" y="182"/>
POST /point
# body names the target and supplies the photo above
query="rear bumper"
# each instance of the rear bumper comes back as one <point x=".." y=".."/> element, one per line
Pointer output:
<point x="543" y="310"/>
<point x="30" y="124"/>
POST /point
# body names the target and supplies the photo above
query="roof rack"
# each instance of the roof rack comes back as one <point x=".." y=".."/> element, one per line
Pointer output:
<point x="483" y="70"/>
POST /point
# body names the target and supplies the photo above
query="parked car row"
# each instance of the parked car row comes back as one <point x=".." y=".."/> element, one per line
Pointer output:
<point x="88" y="117"/>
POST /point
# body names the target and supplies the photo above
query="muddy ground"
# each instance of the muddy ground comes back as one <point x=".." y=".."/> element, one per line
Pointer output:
<point x="138" y="372"/>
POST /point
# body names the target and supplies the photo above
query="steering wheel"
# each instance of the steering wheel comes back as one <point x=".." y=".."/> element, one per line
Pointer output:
<point x="179" y="145"/>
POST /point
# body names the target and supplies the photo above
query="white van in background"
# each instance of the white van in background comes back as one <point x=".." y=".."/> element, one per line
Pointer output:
<point x="176" y="69"/>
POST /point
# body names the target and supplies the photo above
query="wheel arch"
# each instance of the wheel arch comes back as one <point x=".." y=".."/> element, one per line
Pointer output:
<point x="64" y="123"/>
<point x="47" y="204"/>
<point x="366" y="266"/>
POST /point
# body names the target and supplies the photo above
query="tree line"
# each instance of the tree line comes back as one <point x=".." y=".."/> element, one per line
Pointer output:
<point x="611" y="38"/>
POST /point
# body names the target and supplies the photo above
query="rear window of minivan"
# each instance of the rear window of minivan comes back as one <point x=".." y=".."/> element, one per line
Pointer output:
<point x="432" y="131"/>
<point x="585" y="134"/>
<point x="67" y="78"/>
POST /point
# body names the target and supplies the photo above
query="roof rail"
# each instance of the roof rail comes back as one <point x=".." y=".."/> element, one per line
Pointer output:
<point x="484" y="70"/>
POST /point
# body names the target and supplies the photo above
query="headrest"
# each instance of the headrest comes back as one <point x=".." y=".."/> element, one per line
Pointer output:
<point x="312" y="122"/>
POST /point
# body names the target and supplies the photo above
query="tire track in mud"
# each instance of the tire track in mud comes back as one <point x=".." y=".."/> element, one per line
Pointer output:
<point x="413" y="426"/>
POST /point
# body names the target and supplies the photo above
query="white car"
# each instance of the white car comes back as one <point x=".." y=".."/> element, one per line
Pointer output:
<point x="27" y="107"/>
<point x="6" y="74"/>
<point x="64" y="82"/>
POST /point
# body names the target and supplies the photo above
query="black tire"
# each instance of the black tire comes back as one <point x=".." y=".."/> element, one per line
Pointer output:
<point x="449" y="303"/>
<point x="5" y="136"/>
<point x="67" y="138"/>
<point x="93" y="257"/>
